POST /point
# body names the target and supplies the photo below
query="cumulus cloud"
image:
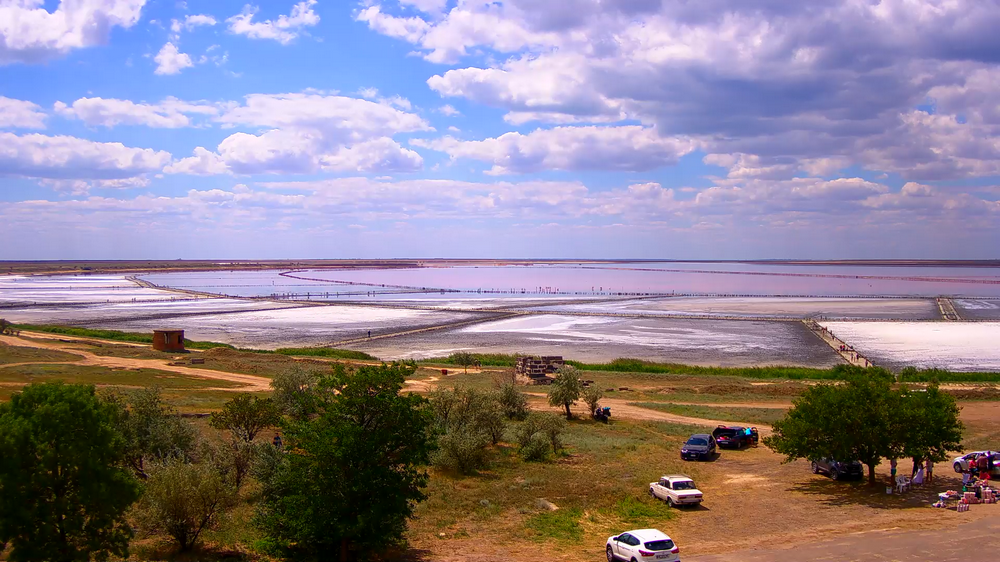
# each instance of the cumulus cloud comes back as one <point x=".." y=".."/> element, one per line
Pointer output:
<point x="801" y="86"/>
<point x="309" y="132"/>
<point x="19" y="114"/>
<point x="629" y="148"/>
<point x="283" y="30"/>
<point x="71" y="158"/>
<point x="29" y="33"/>
<point x="170" y="60"/>
<point x="170" y="113"/>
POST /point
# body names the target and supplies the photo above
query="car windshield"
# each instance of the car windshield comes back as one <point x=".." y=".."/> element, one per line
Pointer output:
<point x="724" y="432"/>
<point x="688" y="485"/>
<point x="665" y="544"/>
<point x="697" y="441"/>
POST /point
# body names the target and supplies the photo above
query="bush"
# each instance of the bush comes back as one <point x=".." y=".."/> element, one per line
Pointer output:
<point x="592" y="396"/>
<point x="183" y="499"/>
<point x="513" y="402"/>
<point x="294" y="392"/>
<point x="536" y="448"/>
<point x="151" y="427"/>
<point x="468" y="421"/>
<point x="544" y="427"/>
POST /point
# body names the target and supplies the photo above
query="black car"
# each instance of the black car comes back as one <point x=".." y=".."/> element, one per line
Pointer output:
<point x="732" y="437"/>
<point x="838" y="470"/>
<point x="698" y="446"/>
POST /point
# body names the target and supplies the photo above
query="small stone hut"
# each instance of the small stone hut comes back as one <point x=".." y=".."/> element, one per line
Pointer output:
<point x="538" y="369"/>
<point x="168" y="340"/>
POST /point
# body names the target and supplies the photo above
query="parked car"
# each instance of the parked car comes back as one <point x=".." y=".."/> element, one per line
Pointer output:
<point x="698" y="446"/>
<point x="642" y="545"/>
<point x="676" y="490"/>
<point x="732" y="437"/>
<point x="838" y="470"/>
<point x="961" y="464"/>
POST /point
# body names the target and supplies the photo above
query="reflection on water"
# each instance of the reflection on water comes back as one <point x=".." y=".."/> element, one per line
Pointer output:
<point x="519" y="281"/>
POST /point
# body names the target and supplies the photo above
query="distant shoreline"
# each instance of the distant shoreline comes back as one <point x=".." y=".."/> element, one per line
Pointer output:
<point x="56" y="267"/>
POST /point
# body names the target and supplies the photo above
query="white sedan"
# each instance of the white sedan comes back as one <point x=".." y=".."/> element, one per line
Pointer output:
<point x="961" y="464"/>
<point x="641" y="546"/>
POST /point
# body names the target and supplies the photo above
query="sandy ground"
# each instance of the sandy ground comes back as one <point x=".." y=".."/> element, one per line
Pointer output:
<point x="250" y="383"/>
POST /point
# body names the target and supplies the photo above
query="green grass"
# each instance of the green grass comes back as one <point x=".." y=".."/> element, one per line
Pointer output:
<point x="561" y="525"/>
<point x="112" y="335"/>
<point x="485" y="359"/>
<point x="766" y="416"/>
<point x="910" y="374"/>
<point x="19" y="354"/>
<point x="640" y="511"/>
<point x="326" y="352"/>
<point x="626" y="365"/>
<point x="92" y="374"/>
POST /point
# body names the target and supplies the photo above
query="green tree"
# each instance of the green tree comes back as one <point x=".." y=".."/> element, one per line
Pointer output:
<point x="539" y="432"/>
<point x="151" y="427"/>
<point x="468" y="421"/>
<point x="295" y="392"/>
<point x="566" y="389"/>
<point x="245" y="416"/>
<point x="351" y="475"/>
<point x="63" y="494"/>
<point x="513" y="402"/>
<point x="931" y="427"/>
<point x="463" y="359"/>
<point x="183" y="499"/>
<point x="861" y="419"/>
<point x="592" y="396"/>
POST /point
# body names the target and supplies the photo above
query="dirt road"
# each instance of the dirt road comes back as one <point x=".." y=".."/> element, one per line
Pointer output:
<point x="250" y="383"/>
<point x="970" y="541"/>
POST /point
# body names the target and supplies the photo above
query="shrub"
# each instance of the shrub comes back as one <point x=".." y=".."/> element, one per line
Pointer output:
<point x="183" y="499"/>
<point x="468" y="421"/>
<point x="536" y="448"/>
<point x="541" y="426"/>
<point x="151" y="427"/>
<point x="566" y="388"/>
<point x="513" y="403"/>
<point x="592" y="396"/>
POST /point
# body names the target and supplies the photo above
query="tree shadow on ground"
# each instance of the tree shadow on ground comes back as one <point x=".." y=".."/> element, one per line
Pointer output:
<point x="859" y="492"/>
<point x="164" y="553"/>
<point x="408" y="555"/>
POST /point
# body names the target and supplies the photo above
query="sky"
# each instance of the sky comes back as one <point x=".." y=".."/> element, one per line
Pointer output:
<point x="675" y="129"/>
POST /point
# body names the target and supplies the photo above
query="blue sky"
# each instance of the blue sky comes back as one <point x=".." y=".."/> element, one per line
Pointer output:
<point x="517" y="128"/>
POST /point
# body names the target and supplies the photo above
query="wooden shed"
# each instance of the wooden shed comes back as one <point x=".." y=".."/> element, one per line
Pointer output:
<point x="168" y="340"/>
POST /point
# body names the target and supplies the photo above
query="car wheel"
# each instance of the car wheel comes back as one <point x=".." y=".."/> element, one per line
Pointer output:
<point x="611" y="554"/>
<point x="834" y="474"/>
<point x="670" y="502"/>
<point x="958" y="468"/>
<point x="651" y="494"/>
<point x="815" y="468"/>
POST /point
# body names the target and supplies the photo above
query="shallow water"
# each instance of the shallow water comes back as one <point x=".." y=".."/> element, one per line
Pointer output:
<point x="959" y="346"/>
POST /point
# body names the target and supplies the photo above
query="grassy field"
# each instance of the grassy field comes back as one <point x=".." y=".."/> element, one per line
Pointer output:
<point x="17" y="354"/>
<point x="91" y="374"/>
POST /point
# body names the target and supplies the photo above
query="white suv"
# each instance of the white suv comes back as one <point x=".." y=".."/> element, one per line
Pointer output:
<point x="641" y="546"/>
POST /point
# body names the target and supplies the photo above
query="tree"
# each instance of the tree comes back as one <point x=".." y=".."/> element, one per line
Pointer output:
<point x="183" y="499"/>
<point x="63" y="493"/>
<point x="7" y="328"/>
<point x="592" y="396"/>
<point x="463" y="359"/>
<point x="246" y="415"/>
<point x="294" y="392"/>
<point x="931" y="427"/>
<point x="861" y="419"/>
<point x="468" y="421"/>
<point x="512" y="401"/>
<point x="539" y="432"/>
<point x="566" y="389"/>
<point x="351" y="475"/>
<point x="152" y="428"/>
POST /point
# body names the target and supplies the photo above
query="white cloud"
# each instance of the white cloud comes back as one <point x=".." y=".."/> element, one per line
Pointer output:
<point x="29" y="33"/>
<point x="203" y="163"/>
<point x="192" y="21"/>
<point x="449" y="111"/>
<point x="309" y="132"/>
<point x="427" y="6"/>
<point x="627" y="148"/>
<point x="71" y="158"/>
<point x="20" y="114"/>
<point x="169" y="114"/>
<point x="170" y="60"/>
<point x="283" y="30"/>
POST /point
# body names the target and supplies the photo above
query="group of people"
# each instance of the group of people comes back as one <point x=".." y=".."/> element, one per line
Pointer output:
<point x="980" y="468"/>
<point x="920" y="473"/>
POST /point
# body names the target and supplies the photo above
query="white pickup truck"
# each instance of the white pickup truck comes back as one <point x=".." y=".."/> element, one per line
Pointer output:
<point x="676" y="490"/>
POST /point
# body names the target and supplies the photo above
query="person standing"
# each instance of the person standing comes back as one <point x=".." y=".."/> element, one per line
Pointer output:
<point x="930" y="471"/>
<point x="892" y="470"/>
